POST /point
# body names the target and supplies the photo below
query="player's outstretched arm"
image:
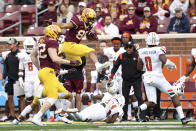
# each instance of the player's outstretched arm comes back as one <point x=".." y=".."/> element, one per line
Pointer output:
<point x="140" y="64"/>
<point x="64" y="25"/>
<point x="34" y="57"/>
<point x="191" y="68"/>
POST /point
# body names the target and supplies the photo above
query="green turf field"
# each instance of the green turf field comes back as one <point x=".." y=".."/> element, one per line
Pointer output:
<point x="58" y="126"/>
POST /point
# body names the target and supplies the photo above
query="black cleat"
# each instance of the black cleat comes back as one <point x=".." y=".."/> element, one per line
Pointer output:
<point x="185" y="120"/>
<point x="135" y="114"/>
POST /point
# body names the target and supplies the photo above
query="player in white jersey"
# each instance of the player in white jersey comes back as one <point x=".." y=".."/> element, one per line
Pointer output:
<point x="31" y="80"/>
<point x="191" y="68"/>
<point x="107" y="110"/>
<point x="153" y="59"/>
<point x="112" y="53"/>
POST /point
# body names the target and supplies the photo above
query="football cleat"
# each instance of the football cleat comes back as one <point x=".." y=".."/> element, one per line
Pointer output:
<point x="37" y="121"/>
<point x="63" y="119"/>
<point x="16" y="121"/>
<point x="100" y="67"/>
<point x="185" y="120"/>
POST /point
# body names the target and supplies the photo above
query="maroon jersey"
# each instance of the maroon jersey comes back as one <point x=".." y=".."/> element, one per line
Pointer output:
<point x="44" y="58"/>
<point x="79" y="31"/>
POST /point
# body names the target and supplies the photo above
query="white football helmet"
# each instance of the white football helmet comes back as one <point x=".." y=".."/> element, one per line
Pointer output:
<point x="29" y="44"/>
<point x="112" y="87"/>
<point x="152" y="39"/>
<point x="121" y="100"/>
<point x="178" y="88"/>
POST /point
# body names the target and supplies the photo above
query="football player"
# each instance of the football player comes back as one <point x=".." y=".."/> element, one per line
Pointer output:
<point x="80" y="26"/>
<point x="108" y="110"/>
<point x="48" y="65"/>
<point x="31" y="80"/>
<point x="112" y="53"/>
<point x="153" y="59"/>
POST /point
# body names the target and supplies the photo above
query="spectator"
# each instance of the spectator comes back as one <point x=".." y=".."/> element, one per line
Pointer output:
<point x="130" y="75"/>
<point x="123" y="12"/>
<point x="93" y="4"/>
<point x="2" y="5"/>
<point x="126" y="37"/>
<point x="191" y="8"/>
<point x="11" y="71"/>
<point x="0" y="71"/>
<point x="64" y="14"/>
<point x="114" y="15"/>
<point x="140" y="4"/>
<point x="99" y="21"/>
<point x="160" y="9"/>
<point x="194" y="29"/>
<point x="178" y="4"/>
<point x="148" y="23"/>
<point x="81" y="6"/>
<point x="112" y="5"/>
<point x="50" y="15"/>
<point x="110" y="28"/>
<point x="131" y="23"/>
<point x="179" y="23"/>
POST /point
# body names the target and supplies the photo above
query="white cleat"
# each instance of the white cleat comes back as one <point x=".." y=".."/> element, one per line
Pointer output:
<point x="15" y="122"/>
<point x="37" y="121"/>
<point x="100" y="67"/>
<point x="63" y="119"/>
<point x="72" y="110"/>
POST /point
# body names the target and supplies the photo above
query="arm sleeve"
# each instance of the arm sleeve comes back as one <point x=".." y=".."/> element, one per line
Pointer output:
<point x="5" y="69"/>
<point x="116" y="65"/>
<point x="21" y="64"/>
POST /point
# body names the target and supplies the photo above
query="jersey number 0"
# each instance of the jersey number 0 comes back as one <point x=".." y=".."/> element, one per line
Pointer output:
<point x="148" y="63"/>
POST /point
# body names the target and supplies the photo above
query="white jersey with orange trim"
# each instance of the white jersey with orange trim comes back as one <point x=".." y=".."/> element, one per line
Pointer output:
<point x="150" y="58"/>
<point x="31" y="72"/>
<point x="193" y="52"/>
<point x="112" y="55"/>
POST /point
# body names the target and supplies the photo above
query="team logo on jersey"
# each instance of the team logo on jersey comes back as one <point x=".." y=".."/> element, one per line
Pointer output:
<point x="134" y="58"/>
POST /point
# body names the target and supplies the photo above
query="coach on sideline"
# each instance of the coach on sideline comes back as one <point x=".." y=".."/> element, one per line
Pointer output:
<point x="130" y="75"/>
<point x="11" y="71"/>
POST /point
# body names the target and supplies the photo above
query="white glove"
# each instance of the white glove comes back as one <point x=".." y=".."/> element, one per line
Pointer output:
<point x="62" y="72"/>
<point x="21" y="82"/>
<point x="182" y="79"/>
<point x="194" y="76"/>
<point x="170" y="65"/>
<point x="62" y="38"/>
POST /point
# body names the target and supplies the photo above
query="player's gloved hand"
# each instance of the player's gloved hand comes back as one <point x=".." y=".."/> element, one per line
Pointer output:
<point x="74" y="62"/>
<point x="61" y="38"/>
<point x="182" y="79"/>
<point x="170" y="65"/>
<point x="21" y="83"/>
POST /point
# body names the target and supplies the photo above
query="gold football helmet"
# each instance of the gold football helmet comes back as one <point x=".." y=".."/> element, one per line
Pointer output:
<point x="88" y="15"/>
<point x="52" y="31"/>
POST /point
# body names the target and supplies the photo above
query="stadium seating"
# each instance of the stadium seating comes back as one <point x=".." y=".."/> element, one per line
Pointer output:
<point x="161" y="29"/>
<point x="12" y="8"/>
<point x="192" y="20"/>
<point x="162" y="25"/>
<point x="28" y="14"/>
<point x="35" y="31"/>
<point x="12" y="19"/>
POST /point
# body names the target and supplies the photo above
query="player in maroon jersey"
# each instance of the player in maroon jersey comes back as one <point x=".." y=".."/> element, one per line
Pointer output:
<point x="79" y="26"/>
